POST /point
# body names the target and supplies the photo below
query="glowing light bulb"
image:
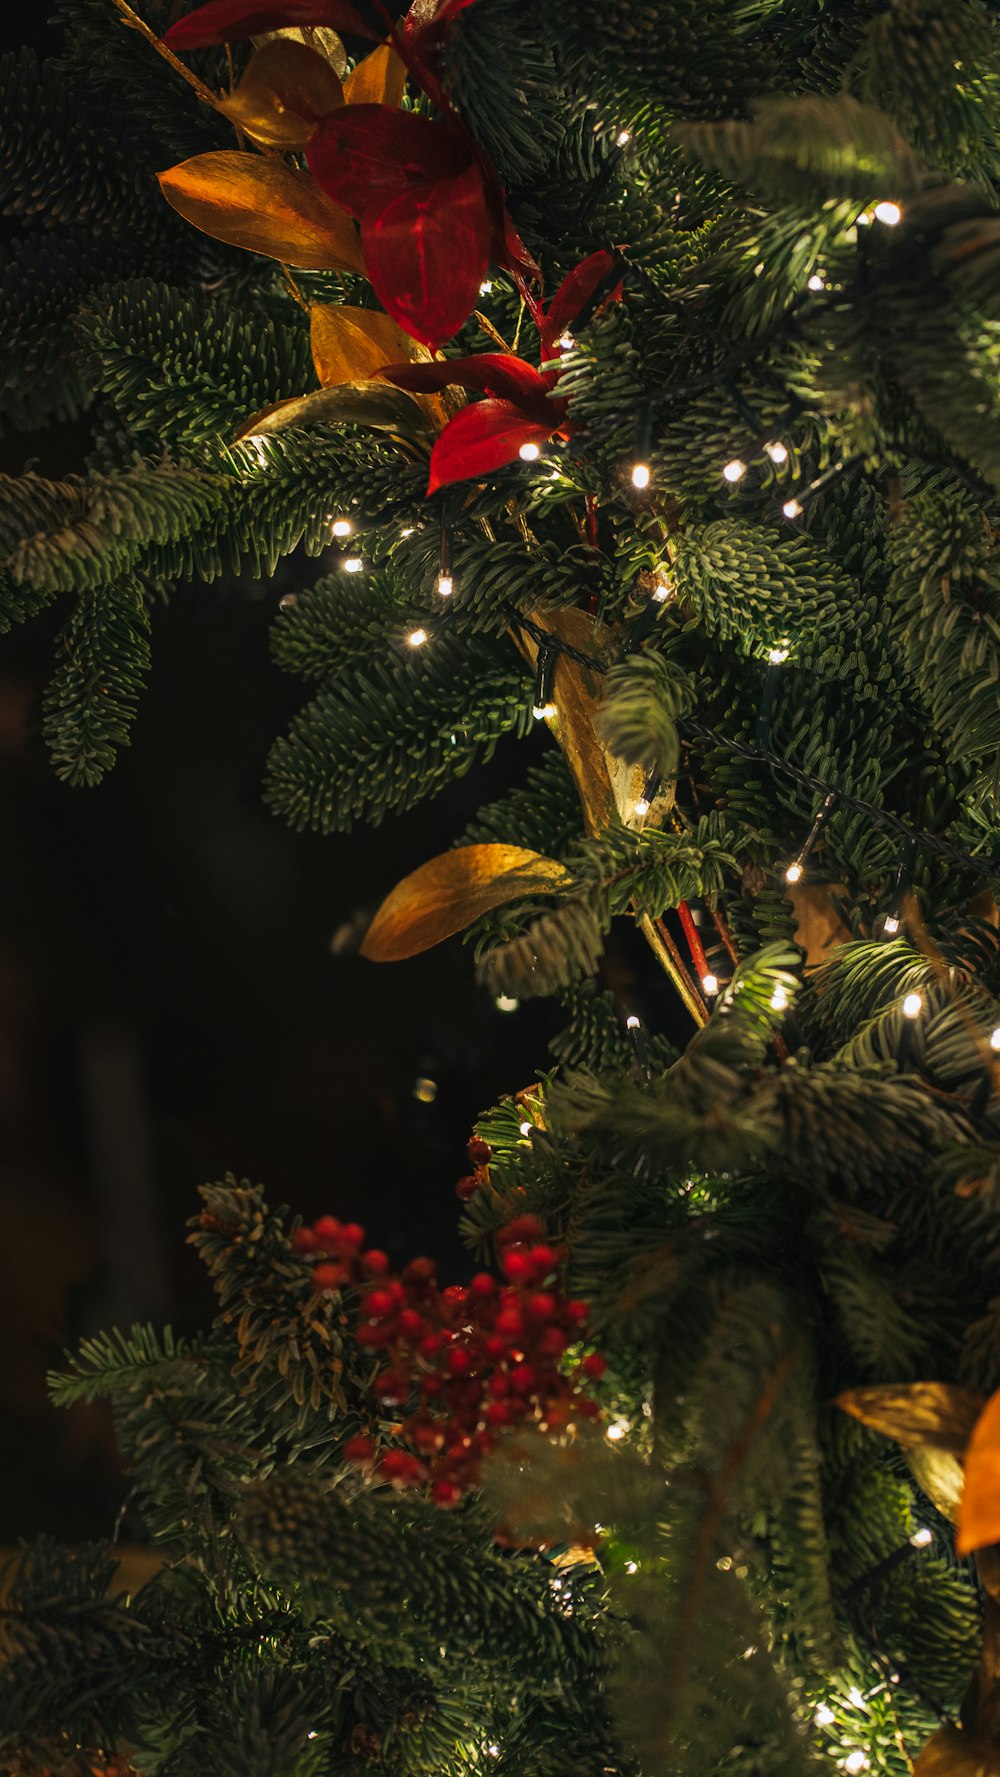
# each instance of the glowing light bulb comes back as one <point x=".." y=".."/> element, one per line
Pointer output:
<point x="631" y="1022"/>
<point x="775" y="656"/>
<point x="777" y="451"/>
<point x="792" y="509"/>
<point x="425" y="1091"/>
<point x="854" y="1696"/>
<point x="525" y="1128"/>
<point x="642" y="806"/>
<point x="407" y="530"/>
<point x="353" y="564"/>
<point x="529" y="453"/>
<point x="856" y="1761"/>
<point x="445" y="585"/>
<point x="891" y="926"/>
<point x="661" y="592"/>
<point x="417" y="638"/>
<point x="865" y="219"/>
<point x="543" y="712"/>
<point x="995" y="1038"/>
<point x="289" y="602"/>
<point x="709" y="985"/>
<point x="566" y="341"/>
<point x="641" y="475"/>
<point x="342" y="527"/>
<point x="616" y="1430"/>
<point x="779" y="999"/>
<point x="922" y="1537"/>
<point x="815" y="282"/>
<point x="505" y="1003"/>
<point x="890" y="214"/>
<point x="824" y="1716"/>
<point x="485" y="287"/>
<point x="912" y="1005"/>
<point x="631" y="1567"/>
<point x="794" y="872"/>
<point x="735" y="470"/>
<point x="623" y="138"/>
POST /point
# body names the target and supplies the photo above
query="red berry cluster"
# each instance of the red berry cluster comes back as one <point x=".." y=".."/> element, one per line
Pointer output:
<point x="479" y="1152"/>
<point x="479" y="1359"/>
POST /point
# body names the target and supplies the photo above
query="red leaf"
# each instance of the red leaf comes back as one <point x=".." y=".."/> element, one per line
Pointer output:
<point x="426" y="252"/>
<point x="575" y="290"/>
<point x="492" y="373"/>
<point x="368" y="153"/>
<point x="480" y="439"/>
<point x="226" y="21"/>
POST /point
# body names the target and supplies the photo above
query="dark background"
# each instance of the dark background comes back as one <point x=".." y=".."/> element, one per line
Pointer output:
<point x="171" y="1008"/>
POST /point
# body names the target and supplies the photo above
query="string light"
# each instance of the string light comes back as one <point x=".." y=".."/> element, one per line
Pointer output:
<point x="710" y="985"/>
<point x="889" y="213"/>
<point x="912" y="1005"/>
<point x="816" y="282"/>
<point x="631" y="1567"/>
<point x="661" y="592"/>
<point x="642" y="806"/>
<point x="445" y="585"/>
<point x="735" y="470"/>
<point x="856" y="1761"/>
<point x="566" y="342"/>
<point x="922" y="1537"/>
<point x="779" y="999"/>
<point x="623" y="138"/>
<point x="505" y="1003"/>
<point x="424" y="1090"/>
<point x="995" y="1038"/>
<point x="616" y="1430"/>
<point x="529" y="453"/>
<point x="485" y="287"/>
<point x="794" y="873"/>
<point x="525" y="1128"/>
<point x="407" y="530"/>
<point x="891" y="926"/>
<point x="792" y="509"/>
<point x="342" y="527"/>
<point x="650" y="791"/>
<point x="289" y="602"/>
<point x="777" y="451"/>
<point x="641" y="475"/>
<point x="824" y="1716"/>
<point x="417" y="638"/>
<point x="352" y="564"/>
<point x="542" y="706"/>
<point x="638" y="1035"/>
<point x="796" y="867"/>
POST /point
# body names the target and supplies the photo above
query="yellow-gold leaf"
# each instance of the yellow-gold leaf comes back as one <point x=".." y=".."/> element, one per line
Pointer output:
<point x="378" y="79"/>
<point x="349" y="344"/>
<point x="283" y="95"/>
<point x="950" y="1753"/>
<point x="936" y="1415"/>
<point x="376" y="405"/>
<point x="979" y="1513"/>
<point x="321" y="38"/>
<point x="448" y="893"/>
<point x="939" y="1474"/>
<point x="818" y="925"/>
<point x="263" y="206"/>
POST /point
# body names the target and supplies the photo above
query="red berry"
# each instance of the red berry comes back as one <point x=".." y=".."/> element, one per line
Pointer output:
<point x="432" y="1386"/>
<point x="359" y="1448"/>
<point x="304" y="1241"/>
<point x="545" y="1259"/>
<point x="499" y="1384"/>
<point x="594" y="1366"/>
<point x="552" y="1342"/>
<point x="542" y="1305"/>
<point x="523" y="1378"/>
<point x="353" y="1235"/>
<point x="430" y="1344"/>
<point x="466" y="1187"/>
<point x="445" y="1493"/>
<point x="578" y="1312"/>
<point x="377" y="1305"/>
<point x="498" y="1413"/>
<point x="495" y="1347"/>
<point x="420" y="1271"/>
<point x="326" y="1229"/>
<point x="458" y="1360"/>
<point x="479" y="1151"/>
<point x="409" y="1324"/>
<point x="399" y="1465"/>
<point x="375" y="1263"/>
<point x="371" y="1336"/>
<point x="484" y="1286"/>
<point x="510" y="1324"/>
<point x="517" y="1266"/>
<point x="521" y="1228"/>
<point x="454" y="1296"/>
<point x="329" y="1277"/>
<point x="391" y="1386"/>
<point x="588" y="1409"/>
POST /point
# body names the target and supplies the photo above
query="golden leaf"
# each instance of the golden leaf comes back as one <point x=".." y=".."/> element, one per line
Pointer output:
<point x="939" y="1474"/>
<point x="317" y="37"/>
<point x="576" y="695"/>
<point x="349" y="344"/>
<point x="378" y="79"/>
<point x="284" y="93"/>
<point x="373" y="404"/>
<point x="950" y="1753"/>
<point x="818" y="925"/>
<point x="448" y="893"/>
<point x="934" y="1415"/>
<point x="979" y="1514"/>
<point x="264" y="206"/>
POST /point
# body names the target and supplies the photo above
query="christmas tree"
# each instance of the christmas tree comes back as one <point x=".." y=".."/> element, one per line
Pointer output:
<point x="625" y="378"/>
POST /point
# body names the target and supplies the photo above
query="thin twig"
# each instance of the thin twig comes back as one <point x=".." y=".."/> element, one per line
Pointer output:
<point x="132" y="19"/>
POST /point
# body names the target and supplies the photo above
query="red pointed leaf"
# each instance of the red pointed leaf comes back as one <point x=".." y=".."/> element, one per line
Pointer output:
<point x="492" y="373"/>
<point x="575" y="290"/>
<point x="480" y="439"/>
<point x="426" y="252"/>
<point x="365" y="154"/>
<point x="226" y="21"/>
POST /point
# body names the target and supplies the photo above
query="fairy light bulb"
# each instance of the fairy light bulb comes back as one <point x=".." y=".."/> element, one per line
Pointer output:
<point x="543" y="712"/>
<point x="641" y="475"/>
<point x="529" y="453"/>
<point x="631" y="1022"/>
<point x="889" y="213"/>
<point x="566" y="342"/>
<point x="445" y="585"/>
<point x="342" y="527"/>
<point x="735" y="470"/>
<point x="779" y="999"/>
<point x="856" y="1761"/>
<point x="777" y="656"/>
<point x="407" y="530"/>
<point x="485" y="287"/>
<point x="891" y="926"/>
<point x="616" y="1430"/>
<point x="525" y="1128"/>
<point x="922" y="1537"/>
<point x="777" y="451"/>
<point x="865" y="219"/>
<point x="710" y="985"/>
<point x="642" y="806"/>
<point x="506" y="1002"/>
<point x="353" y="564"/>
<point x="995" y="1038"/>
<point x="824" y="1715"/>
<point x="794" y="872"/>
<point x="661" y="592"/>
<point x="792" y="509"/>
<point x="816" y="282"/>
<point x="417" y="638"/>
<point x="623" y="138"/>
<point x="912" y="1005"/>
